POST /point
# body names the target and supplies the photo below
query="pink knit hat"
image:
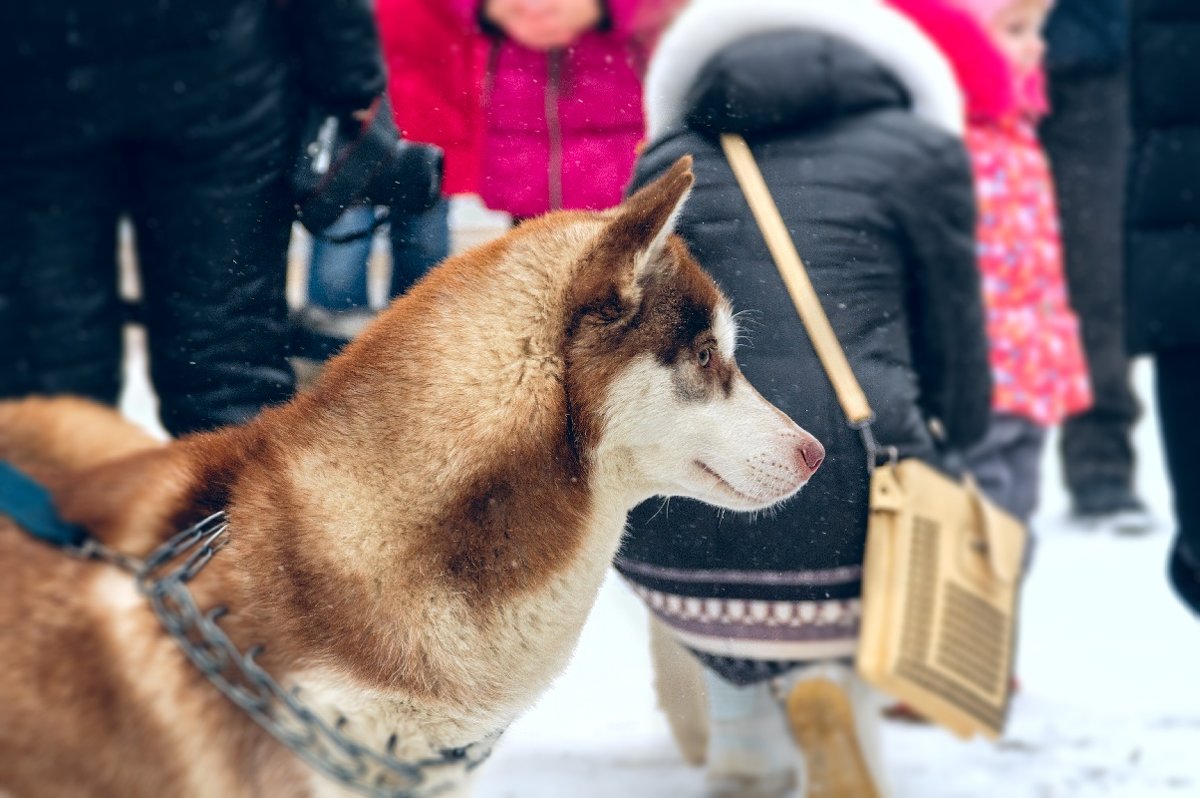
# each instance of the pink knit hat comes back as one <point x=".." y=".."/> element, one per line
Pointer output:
<point x="986" y="10"/>
<point x="980" y="83"/>
<point x="983" y="74"/>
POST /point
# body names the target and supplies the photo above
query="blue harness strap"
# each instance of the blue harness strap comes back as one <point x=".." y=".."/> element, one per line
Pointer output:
<point x="28" y="503"/>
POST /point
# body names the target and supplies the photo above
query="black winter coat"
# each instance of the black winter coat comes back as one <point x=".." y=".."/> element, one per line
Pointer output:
<point x="1086" y="36"/>
<point x="1163" y="209"/>
<point x="186" y="115"/>
<point x="101" y="61"/>
<point x="880" y="206"/>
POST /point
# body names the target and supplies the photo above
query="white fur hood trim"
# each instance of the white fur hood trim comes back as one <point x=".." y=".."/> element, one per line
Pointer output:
<point x="708" y="26"/>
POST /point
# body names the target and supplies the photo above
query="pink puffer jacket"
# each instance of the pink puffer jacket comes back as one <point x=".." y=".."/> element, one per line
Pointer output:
<point x="563" y="126"/>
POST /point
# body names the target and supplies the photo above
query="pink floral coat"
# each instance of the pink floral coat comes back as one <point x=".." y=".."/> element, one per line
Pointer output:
<point x="1038" y="366"/>
<point x="1037" y="360"/>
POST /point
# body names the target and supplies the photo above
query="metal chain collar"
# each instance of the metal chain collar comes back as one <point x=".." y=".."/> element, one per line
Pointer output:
<point x="323" y="745"/>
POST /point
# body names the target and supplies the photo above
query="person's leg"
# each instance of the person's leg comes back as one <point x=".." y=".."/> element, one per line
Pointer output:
<point x="835" y="721"/>
<point x="213" y="216"/>
<point x="15" y="358"/>
<point x="682" y="697"/>
<point x="750" y="753"/>
<point x="337" y="271"/>
<point x="989" y="460"/>
<point x="419" y="242"/>
<point x="60" y="313"/>
<point x="338" y="306"/>
<point x="1086" y="138"/>
<point x="1025" y="458"/>
<point x="1178" y="383"/>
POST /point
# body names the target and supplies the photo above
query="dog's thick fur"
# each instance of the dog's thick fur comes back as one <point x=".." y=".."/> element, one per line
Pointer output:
<point x="416" y="541"/>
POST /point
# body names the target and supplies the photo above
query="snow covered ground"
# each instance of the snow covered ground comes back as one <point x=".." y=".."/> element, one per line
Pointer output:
<point x="1109" y="664"/>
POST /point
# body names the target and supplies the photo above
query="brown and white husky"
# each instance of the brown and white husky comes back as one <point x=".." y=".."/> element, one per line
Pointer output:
<point x="416" y="541"/>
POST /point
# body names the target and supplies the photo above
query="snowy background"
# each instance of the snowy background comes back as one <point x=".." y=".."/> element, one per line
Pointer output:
<point x="1109" y="664"/>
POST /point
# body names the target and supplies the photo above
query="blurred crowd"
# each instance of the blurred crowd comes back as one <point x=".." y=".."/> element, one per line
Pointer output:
<point x="998" y="202"/>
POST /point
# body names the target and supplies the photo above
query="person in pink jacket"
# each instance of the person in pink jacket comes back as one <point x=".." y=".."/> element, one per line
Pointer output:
<point x="434" y="68"/>
<point x="562" y="98"/>
<point x="1039" y="373"/>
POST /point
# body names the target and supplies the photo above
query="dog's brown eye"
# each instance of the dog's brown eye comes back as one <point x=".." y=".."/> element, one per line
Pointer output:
<point x="703" y="356"/>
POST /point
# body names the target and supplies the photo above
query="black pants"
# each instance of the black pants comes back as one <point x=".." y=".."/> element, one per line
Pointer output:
<point x="1086" y="138"/>
<point x="205" y="188"/>
<point x="1178" y="383"/>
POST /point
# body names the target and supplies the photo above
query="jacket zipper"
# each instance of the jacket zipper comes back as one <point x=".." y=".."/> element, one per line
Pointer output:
<point x="554" y="128"/>
<point x="489" y="74"/>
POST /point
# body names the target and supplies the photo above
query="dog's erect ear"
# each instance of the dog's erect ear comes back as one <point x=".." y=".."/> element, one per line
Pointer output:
<point x="632" y="247"/>
<point x="645" y="220"/>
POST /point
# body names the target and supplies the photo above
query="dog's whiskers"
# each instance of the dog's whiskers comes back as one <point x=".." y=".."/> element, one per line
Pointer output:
<point x="662" y="507"/>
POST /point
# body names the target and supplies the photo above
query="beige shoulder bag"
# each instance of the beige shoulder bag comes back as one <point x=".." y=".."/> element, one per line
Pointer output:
<point x="942" y="573"/>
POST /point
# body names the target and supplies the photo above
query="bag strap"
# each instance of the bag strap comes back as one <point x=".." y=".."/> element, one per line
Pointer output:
<point x="791" y="268"/>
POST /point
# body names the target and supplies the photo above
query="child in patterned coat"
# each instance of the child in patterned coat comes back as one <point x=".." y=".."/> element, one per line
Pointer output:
<point x="1039" y="372"/>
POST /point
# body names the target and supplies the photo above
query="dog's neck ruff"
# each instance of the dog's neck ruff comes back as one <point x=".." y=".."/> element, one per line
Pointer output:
<point x="363" y="769"/>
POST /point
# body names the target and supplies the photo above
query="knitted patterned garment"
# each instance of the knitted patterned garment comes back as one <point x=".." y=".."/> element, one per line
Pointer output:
<point x="1036" y="355"/>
